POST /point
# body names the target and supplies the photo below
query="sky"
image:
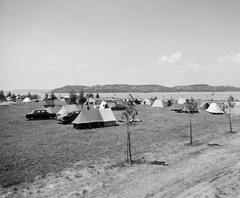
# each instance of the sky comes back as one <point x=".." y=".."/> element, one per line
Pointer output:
<point x="47" y="44"/>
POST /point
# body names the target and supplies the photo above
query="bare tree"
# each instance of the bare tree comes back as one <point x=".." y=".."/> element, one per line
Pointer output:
<point x="230" y="105"/>
<point x="82" y="98"/>
<point x="129" y="114"/>
<point x="191" y="105"/>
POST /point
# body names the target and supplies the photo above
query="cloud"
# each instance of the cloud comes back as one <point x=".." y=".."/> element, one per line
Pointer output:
<point x="175" y="58"/>
<point x="232" y="60"/>
<point x="175" y="61"/>
<point x="227" y="63"/>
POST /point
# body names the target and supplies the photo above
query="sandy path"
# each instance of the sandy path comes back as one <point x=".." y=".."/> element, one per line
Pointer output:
<point x="201" y="171"/>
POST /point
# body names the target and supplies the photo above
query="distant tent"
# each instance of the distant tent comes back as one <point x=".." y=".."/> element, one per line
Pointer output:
<point x="48" y="103"/>
<point x="186" y="109"/>
<point x="91" y="100"/>
<point x="94" y="118"/>
<point x="234" y="111"/>
<point x="204" y="105"/>
<point x="177" y="107"/>
<point x="103" y="105"/>
<point x="68" y="108"/>
<point x="27" y="100"/>
<point x="237" y="103"/>
<point x="181" y="101"/>
<point x="214" y="109"/>
<point x="159" y="103"/>
<point x="146" y="101"/>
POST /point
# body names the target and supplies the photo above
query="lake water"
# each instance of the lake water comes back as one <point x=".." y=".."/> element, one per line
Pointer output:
<point x="164" y="95"/>
<point x="169" y="95"/>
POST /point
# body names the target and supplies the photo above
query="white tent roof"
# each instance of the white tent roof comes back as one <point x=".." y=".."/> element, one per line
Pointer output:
<point x="214" y="108"/>
<point x="181" y="101"/>
<point x="69" y="108"/>
<point x="27" y="100"/>
<point x="146" y="101"/>
<point x="158" y="103"/>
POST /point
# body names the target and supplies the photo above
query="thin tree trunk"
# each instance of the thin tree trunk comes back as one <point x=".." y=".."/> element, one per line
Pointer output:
<point x="230" y="124"/>
<point x="190" y="129"/>
<point x="129" y="144"/>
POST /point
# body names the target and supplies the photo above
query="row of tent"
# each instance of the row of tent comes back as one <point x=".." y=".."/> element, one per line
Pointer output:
<point x="180" y="106"/>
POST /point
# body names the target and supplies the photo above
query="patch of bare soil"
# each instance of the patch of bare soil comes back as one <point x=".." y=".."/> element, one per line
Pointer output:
<point x="207" y="170"/>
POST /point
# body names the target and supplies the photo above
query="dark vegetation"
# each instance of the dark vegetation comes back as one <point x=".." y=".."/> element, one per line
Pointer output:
<point x="30" y="149"/>
<point x="124" y="88"/>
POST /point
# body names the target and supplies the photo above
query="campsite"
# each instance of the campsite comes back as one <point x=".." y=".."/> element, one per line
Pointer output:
<point x="43" y="158"/>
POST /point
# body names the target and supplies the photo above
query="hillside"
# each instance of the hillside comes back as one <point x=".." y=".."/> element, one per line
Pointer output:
<point x="121" y="88"/>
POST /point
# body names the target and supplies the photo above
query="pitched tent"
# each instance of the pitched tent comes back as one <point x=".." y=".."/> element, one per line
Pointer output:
<point x="177" y="107"/>
<point x="94" y="118"/>
<point x="234" y="111"/>
<point x="181" y="101"/>
<point x="146" y="101"/>
<point x="214" y="109"/>
<point x="68" y="108"/>
<point x="159" y="103"/>
<point x="204" y="105"/>
<point x="237" y="103"/>
<point x="48" y="103"/>
<point x="27" y="100"/>
<point x="186" y="110"/>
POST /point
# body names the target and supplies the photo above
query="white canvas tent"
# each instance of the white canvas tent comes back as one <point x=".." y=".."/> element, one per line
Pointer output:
<point x="181" y="101"/>
<point x="94" y="118"/>
<point x="27" y="100"/>
<point x="237" y="103"/>
<point x="214" y="109"/>
<point x="159" y="103"/>
<point x="146" y="101"/>
<point x="68" y="108"/>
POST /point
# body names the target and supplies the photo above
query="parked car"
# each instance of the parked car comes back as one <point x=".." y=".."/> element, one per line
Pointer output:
<point x="118" y="107"/>
<point x="68" y="117"/>
<point x="41" y="113"/>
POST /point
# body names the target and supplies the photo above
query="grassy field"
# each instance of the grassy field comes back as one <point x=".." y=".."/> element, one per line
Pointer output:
<point x="30" y="149"/>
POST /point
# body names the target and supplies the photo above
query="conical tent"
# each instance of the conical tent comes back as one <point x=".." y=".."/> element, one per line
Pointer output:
<point x="68" y="108"/>
<point x="204" y="105"/>
<point x="159" y="103"/>
<point x="94" y="118"/>
<point x="214" y="109"/>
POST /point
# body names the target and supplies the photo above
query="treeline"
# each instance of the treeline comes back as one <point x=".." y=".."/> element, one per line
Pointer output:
<point x="13" y="97"/>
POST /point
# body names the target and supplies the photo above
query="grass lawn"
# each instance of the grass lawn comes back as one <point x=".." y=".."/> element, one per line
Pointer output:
<point x="36" y="148"/>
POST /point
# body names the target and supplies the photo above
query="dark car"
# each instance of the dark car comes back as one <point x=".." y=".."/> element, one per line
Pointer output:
<point x="68" y="117"/>
<point x="118" y="107"/>
<point x="41" y="113"/>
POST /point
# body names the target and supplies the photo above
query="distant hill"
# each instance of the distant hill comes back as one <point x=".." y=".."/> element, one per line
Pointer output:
<point x="124" y="88"/>
<point x="26" y="91"/>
